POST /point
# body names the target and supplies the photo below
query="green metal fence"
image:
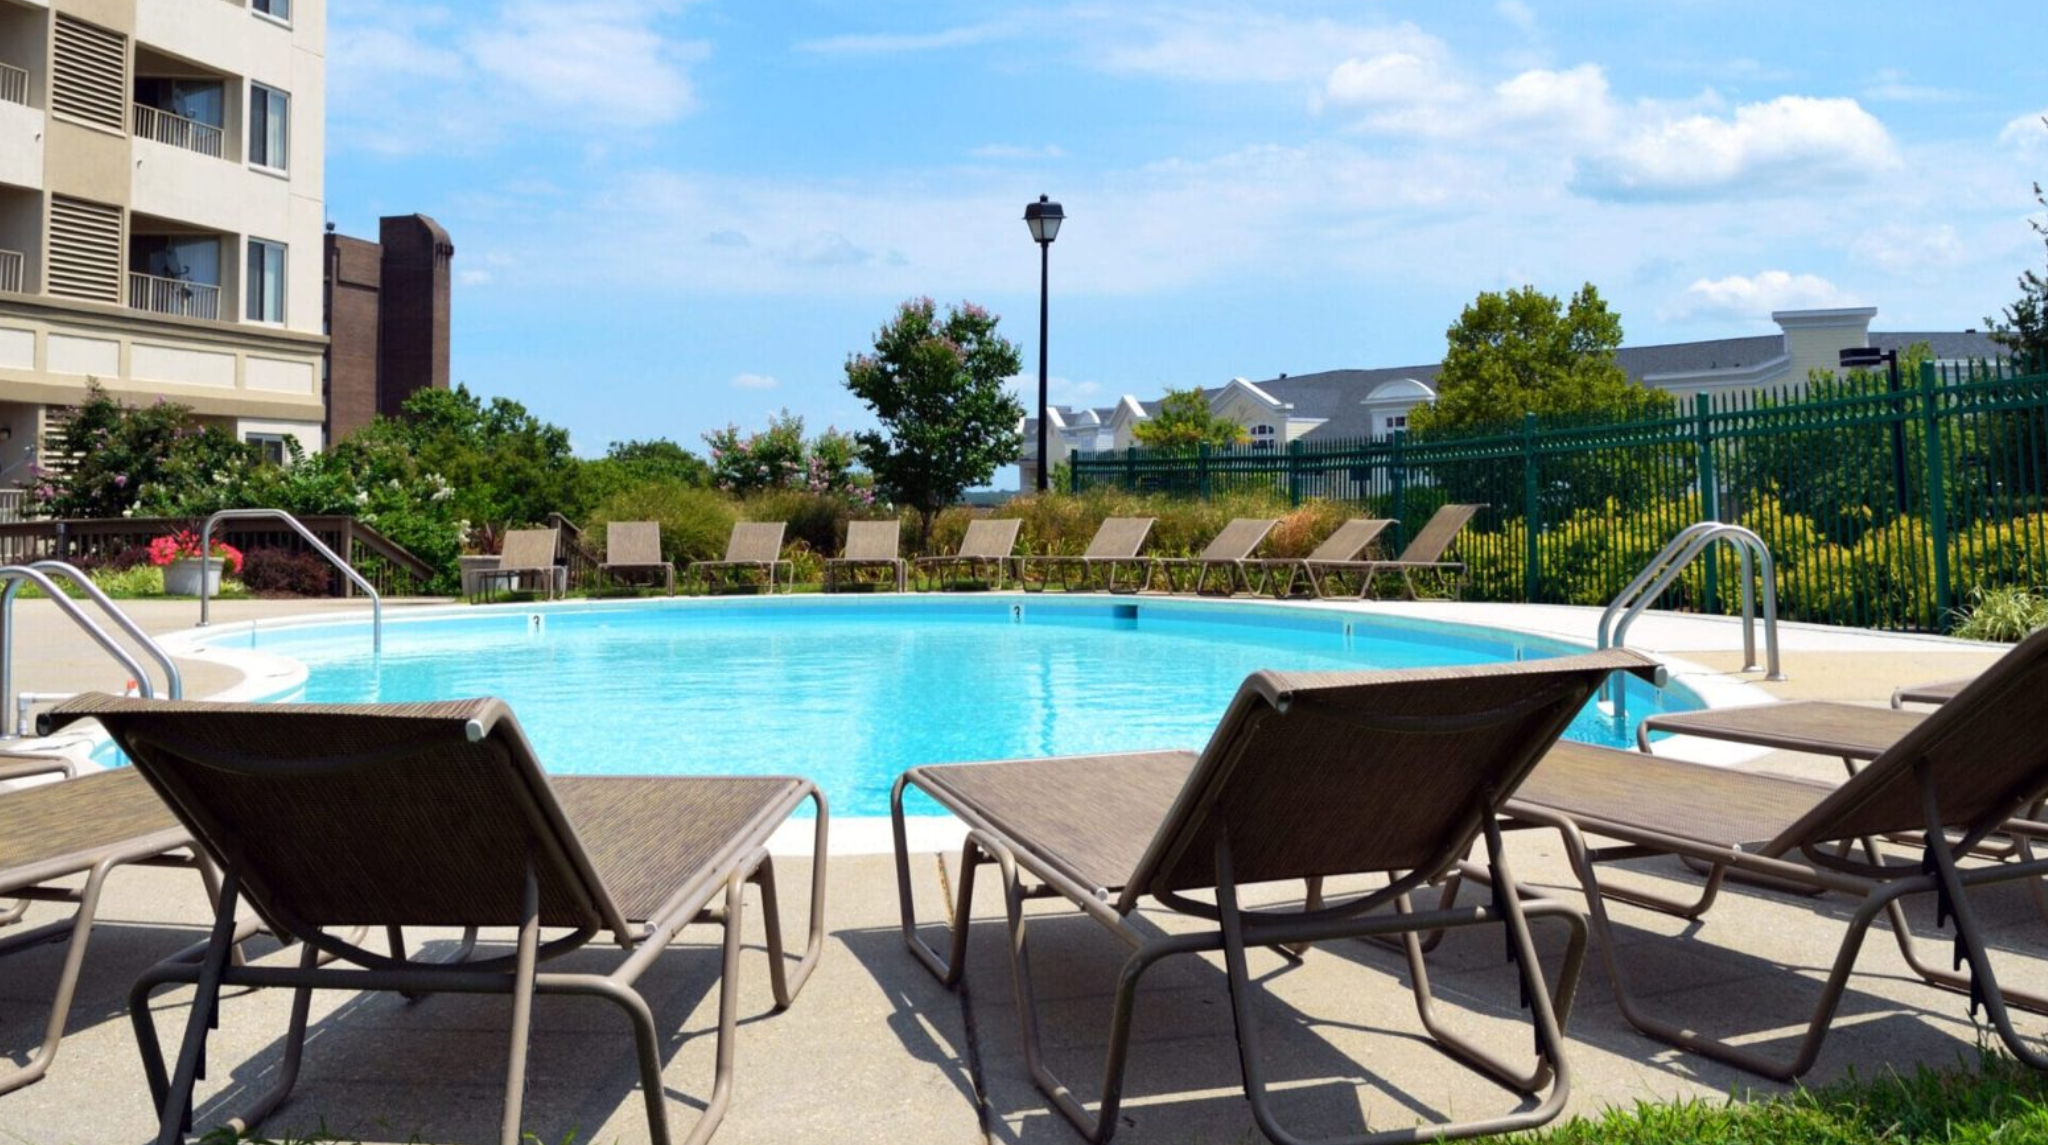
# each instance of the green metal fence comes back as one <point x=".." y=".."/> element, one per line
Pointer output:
<point x="1883" y="508"/>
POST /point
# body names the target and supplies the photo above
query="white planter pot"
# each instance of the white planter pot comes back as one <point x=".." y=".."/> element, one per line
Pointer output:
<point x="182" y="576"/>
<point x="471" y="566"/>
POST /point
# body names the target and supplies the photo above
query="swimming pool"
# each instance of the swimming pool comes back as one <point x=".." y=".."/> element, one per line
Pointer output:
<point x="850" y="691"/>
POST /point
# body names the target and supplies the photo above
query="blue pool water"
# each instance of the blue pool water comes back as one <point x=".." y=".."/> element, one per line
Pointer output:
<point x="850" y="692"/>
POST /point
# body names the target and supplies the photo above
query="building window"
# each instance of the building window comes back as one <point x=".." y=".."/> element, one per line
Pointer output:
<point x="1396" y="421"/>
<point x="266" y="281"/>
<point x="271" y="444"/>
<point x="1263" y="436"/>
<point x="270" y="119"/>
<point x="279" y="9"/>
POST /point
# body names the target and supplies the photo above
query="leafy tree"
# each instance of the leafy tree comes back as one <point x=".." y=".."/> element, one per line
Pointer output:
<point x="780" y="457"/>
<point x="2024" y="330"/>
<point x="936" y="387"/>
<point x="1522" y="351"/>
<point x="659" y="457"/>
<point x="1184" y="423"/>
<point x="507" y="466"/>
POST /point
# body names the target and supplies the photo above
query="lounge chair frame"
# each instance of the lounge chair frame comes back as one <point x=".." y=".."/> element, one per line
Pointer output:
<point x="1229" y="553"/>
<point x="520" y="558"/>
<point x="1114" y="550"/>
<point x="210" y="966"/>
<point x="1424" y="554"/>
<point x="635" y="547"/>
<point x="870" y="545"/>
<point x="1337" y="555"/>
<point x="754" y="546"/>
<point x="1814" y="851"/>
<point x="36" y="881"/>
<point x="989" y="544"/>
<point x="1238" y="928"/>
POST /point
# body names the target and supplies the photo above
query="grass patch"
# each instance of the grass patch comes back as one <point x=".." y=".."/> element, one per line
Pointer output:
<point x="1993" y="1101"/>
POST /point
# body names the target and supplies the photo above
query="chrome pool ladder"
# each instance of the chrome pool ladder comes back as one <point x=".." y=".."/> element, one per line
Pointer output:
<point x="41" y="574"/>
<point x="1689" y="545"/>
<point x="313" y="542"/>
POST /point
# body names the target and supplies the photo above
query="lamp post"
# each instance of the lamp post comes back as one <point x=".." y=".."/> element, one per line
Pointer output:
<point x="1863" y="358"/>
<point x="1044" y="218"/>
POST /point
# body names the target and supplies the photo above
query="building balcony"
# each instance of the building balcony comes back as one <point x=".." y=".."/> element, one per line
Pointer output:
<point x="13" y="84"/>
<point x="11" y="264"/>
<point x="175" y="296"/>
<point x="178" y="131"/>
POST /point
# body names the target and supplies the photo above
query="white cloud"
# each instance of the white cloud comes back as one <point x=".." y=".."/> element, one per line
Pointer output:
<point x="754" y="382"/>
<point x="2028" y="134"/>
<point x="1518" y="13"/>
<point x="1238" y="46"/>
<point x="1388" y="79"/>
<point x="1791" y="141"/>
<point x="473" y="277"/>
<point x="1890" y="86"/>
<point x="1011" y="151"/>
<point x="407" y="79"/>
<point x="965" y="35"/>
<point x="1744" y="296"/>
<point x="1901" y="248"/>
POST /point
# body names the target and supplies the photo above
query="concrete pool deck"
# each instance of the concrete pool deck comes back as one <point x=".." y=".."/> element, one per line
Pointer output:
<point x="875" y="1050"/>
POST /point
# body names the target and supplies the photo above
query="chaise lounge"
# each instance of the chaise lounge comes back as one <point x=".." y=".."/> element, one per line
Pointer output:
<point x="1307" y="775"/>
<point x="754" y="546"/>
<point x="870" y="545"/>
<point x="634" y="547"/>
<point x="1229" y="553"/>
<point x="988" y="544"/>
<point x="325" y="817"/>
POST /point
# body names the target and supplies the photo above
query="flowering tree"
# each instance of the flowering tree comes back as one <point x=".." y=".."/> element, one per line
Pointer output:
<point x="779" y="457"/>
<point x="116" y="456"/>
<point x="936" y="386"/>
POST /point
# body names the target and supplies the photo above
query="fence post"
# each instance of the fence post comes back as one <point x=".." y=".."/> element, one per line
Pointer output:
<point x="1294" y="474"/>
<point x="1397" y="475"/>
<point x="1202" y="470"/>
<point x="1130" y="469"/>
<point x="1074" y="473"/>
<point x="1532" y="513"/>
<point x="1710" y="491"/>
<point x="1937" y="494"/>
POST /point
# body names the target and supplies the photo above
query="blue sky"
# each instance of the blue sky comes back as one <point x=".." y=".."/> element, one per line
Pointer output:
<point x="669" y="216"/>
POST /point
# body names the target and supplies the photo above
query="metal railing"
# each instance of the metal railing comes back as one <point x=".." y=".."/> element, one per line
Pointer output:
<point x="12" y="502"/>
<point x="40" y="574"/>
<point x="312" y="542"/>
<point x="11" y="264"/>
<point x="13" y="84"/>
<point x="178" y="131"/>
<point x="173" y="296"/>
<point x="1689" y="545"/>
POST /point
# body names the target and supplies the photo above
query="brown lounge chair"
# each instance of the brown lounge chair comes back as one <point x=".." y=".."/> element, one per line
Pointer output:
<point x="438" y="815"/>
<point x="1307" y="775"/>
<point x="527" y="554"/>
<point x="1113" y="549"/>
<point x="1425" y="553"/>
<point x="989" y="544"/>
<point x="1957" y="777"/>
<point x="634" y="547"/>
<point x="755" y="546"/>
<point x="1338" y="554"/>
<point x="92" y="826"/>
<point x="1229" y="553"/>
<point x="870" y="544"/>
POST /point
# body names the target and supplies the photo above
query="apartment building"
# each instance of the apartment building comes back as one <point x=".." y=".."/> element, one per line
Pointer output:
<point x="160" y="212"/>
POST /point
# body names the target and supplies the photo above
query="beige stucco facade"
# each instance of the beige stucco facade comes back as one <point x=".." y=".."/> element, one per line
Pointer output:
<point x="189" y="185"/>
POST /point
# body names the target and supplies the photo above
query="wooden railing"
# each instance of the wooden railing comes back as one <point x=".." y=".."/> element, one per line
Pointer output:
<point x="11" y="262"/>
<point x="178" y="131"/>
<point x="382" y="561"/>
<point x="572" y="553"/>
<point x="13" y="84"/>
<point x="173" y="296"/>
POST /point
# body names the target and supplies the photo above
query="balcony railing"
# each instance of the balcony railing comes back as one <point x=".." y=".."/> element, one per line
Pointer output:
<point x="177" y="131"/>
<point x="10" y="271"/>
<point x="173" y="296"/>
<point x="13" y="84"/>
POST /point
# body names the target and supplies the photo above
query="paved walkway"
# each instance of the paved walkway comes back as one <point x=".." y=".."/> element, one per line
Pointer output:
<point x="875" y="1050"/>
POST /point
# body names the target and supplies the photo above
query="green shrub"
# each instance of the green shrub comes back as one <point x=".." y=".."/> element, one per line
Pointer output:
<point x="695" y="523"/>
<point x="285" y="572"/>
<point x="2005" y="615"/>
<point x="816" y="519"/>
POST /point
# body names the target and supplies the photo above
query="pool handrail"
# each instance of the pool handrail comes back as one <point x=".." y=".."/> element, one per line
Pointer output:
<point x="1672" y="560"/>
<point x="14" y="577"/>
<point x="318" y="546"/>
